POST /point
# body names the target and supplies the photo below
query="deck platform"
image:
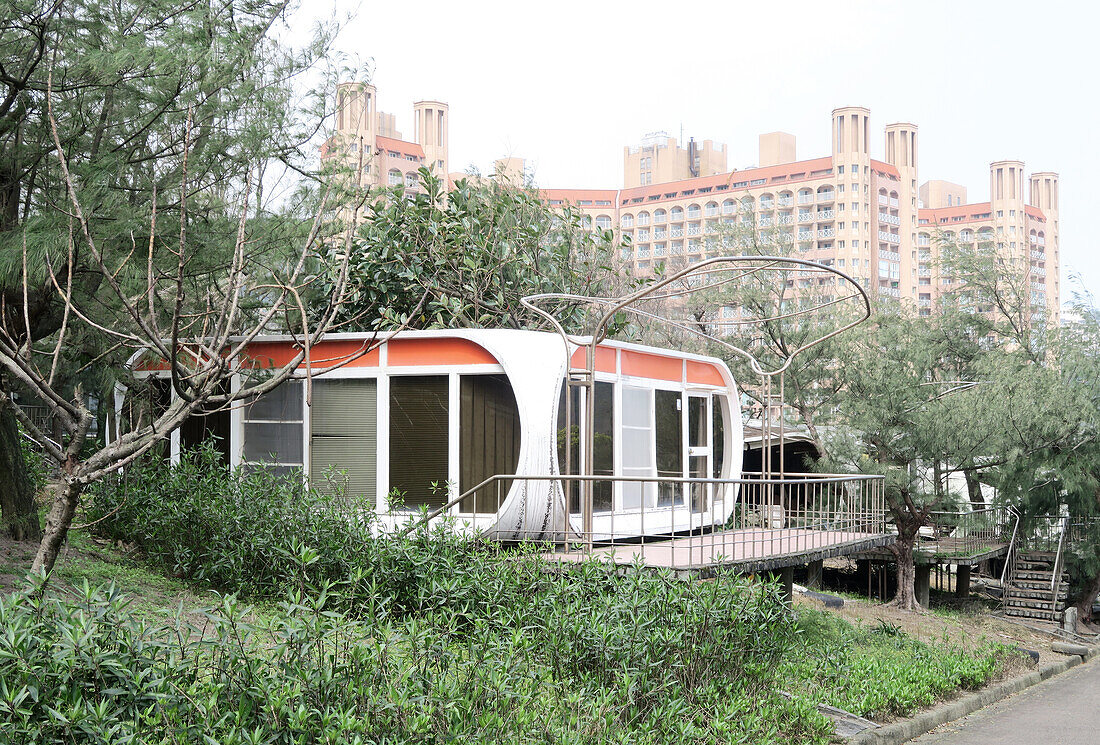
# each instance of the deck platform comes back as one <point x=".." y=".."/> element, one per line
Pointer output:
<point x="960" y="552"/>
<point x="749" y="550"/>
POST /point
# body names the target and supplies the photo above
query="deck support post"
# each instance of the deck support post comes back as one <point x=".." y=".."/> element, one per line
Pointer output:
<point x="923" y="583"/>
<point x="962" y="581"/>
<point x="813" y="574"/>
<point x="786" y="582"/>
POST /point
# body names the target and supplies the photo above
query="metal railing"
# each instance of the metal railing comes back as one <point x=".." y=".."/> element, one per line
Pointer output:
<point x="970" y="533"/>
<point x="669" y="521"/>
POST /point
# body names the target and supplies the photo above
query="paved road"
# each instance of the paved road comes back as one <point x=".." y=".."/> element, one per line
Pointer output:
<point x="1063" y="709"/>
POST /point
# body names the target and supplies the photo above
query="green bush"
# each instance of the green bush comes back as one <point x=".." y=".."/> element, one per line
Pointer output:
<point x="455" y="639"/>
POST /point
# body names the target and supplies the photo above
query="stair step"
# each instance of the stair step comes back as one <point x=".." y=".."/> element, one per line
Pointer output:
<point x="1036" y="584"/>
<point x="1033" y="604"/>
<point x="1035" y="566"/>
<point x="1037" y="555"/>
<point x="1025" y="594"/>
<point x="1029" y="613"/>
<point x="1033" y="575"/>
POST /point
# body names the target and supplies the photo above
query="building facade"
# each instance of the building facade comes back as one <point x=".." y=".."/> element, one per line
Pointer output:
<point x="365" y="134"/>
<point x="865" y="216"/>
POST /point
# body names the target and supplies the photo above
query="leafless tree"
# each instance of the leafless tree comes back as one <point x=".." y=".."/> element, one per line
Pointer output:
<point x="199" y="336"/>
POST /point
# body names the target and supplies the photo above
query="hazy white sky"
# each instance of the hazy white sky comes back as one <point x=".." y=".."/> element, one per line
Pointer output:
<point x="567" y="84"/>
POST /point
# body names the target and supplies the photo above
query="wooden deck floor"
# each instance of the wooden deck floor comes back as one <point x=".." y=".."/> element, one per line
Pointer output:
<point x="752" y="550"/>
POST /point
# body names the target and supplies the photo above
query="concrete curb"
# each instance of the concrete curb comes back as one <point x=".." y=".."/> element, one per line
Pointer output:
<point x="903" y="731"/>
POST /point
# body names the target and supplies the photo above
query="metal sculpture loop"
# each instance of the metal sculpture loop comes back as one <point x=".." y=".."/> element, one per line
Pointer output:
<point x="706" y="275"/>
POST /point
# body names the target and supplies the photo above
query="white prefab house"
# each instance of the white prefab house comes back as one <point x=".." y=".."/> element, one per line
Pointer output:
<point x="427" y="416"/>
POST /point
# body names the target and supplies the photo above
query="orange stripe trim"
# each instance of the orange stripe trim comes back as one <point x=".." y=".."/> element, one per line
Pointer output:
<point x="605" y="359"/>
<point x="405" y="352"/>
<point x="654" y="366"/>
<point x="705" y="373"/>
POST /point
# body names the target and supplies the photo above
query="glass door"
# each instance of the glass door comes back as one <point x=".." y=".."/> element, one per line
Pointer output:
<point x="699" y="449"/>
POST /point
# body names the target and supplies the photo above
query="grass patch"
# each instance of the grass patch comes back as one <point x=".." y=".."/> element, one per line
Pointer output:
<point x="880" y="672"/>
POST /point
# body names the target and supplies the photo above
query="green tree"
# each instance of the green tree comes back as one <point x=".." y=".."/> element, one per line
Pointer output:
<point x="131" y="86"/>
<point x="464" y="258"/>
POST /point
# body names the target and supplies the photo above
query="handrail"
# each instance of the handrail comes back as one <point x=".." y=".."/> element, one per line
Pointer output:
<point x="1056" y="571"/>
<point x="817" y="478"/>
<point x="1010" y="559"/>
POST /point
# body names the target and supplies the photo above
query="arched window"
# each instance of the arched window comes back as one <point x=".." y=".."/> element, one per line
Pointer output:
<point x="694" y="211"/>
<point x="660" y="216"/>
<point x="627" y="221"/>
<point x="412" y="179"/>
<point x="748" y="204"/>
<point x="676" y="214"/>
<point x="712" y="209"/>
<point x="767" y="202"/>
<point x="728" y="207"/>
<point x="395" y="177"/>
<point x="643" y="218"/>
<point x="603" y="222"/>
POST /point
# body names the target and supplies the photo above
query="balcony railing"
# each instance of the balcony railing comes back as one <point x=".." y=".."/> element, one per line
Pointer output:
<point x="824" y="214"/>
<point x="805" y="235"/>
<point x="889" y="219"/>
<point x="765" y="221"/>
<point x="805" y="216"/>
<point x="889" y="256"/>
<point x="786" y="219"/>
<point x="677" y="232"/>
<point x="893" y="202"/>
<point x="692" y="214"/>
<point x="825" y="233"/>
<point x="693" y="230"/>
<point x="825" y="196"/>
<point x="689" y="523"/>
<point x="1039" y="255"/>
<point x="805" y="198"/>
<point x="786" y="201"/>
<point x="889" y="237"/>
<point x="711" y="211"/>
<point x="883" y="200"/>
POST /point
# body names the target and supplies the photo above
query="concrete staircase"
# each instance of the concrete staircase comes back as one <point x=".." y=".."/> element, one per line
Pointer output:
<point x="1028" y="593"/>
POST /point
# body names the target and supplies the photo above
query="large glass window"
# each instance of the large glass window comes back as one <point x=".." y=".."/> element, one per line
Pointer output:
<point x="603" y="455"/>
<point x="344" y="437"/>
<point x="211" y="424"/>
<point x="637" y="427"/>
<point x="718" y="435"/>
<point x="670" y="445"/>
<point x="273" y="429"/>
<point x="419" y="439"/>
<point x="489" y="439"/>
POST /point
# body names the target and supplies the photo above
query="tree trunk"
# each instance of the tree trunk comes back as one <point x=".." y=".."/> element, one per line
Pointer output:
<point x="17" y="505"/>
<point x="58" y="521"/>
<point x="906" y="597"/>
<point x="1084" y="605"/>
<point x="974" y="490"/>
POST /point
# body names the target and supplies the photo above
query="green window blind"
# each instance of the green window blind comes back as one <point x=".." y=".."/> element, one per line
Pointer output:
<point x="344" y="437"/>
<point x="418" y="438"/>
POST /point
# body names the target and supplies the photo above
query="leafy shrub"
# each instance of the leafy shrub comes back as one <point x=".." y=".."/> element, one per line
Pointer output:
<point x="484" y="639"/>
